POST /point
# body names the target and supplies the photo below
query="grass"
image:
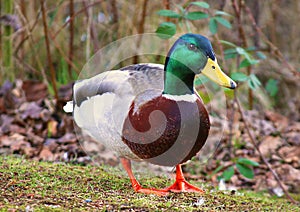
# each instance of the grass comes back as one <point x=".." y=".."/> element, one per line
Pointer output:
<point x="41" y="186"/>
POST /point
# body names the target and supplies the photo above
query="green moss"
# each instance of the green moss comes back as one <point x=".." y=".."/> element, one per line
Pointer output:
<point x="59" y="187"/>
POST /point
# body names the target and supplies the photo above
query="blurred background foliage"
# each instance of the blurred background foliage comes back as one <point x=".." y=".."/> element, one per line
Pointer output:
<point x="256" y="42"/>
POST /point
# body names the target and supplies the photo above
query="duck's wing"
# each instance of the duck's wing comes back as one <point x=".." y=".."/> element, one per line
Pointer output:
<point x="145" y="76"/>
<point x="101" y="103"/>
<point x="130" y="80"/>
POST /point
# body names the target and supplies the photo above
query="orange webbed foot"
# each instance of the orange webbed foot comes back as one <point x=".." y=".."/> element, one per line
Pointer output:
<point x="180" y="185"/>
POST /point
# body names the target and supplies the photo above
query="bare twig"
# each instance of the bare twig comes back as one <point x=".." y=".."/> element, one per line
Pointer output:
<point x="88" y="33"/>
<point x="8" y="42"/>
<point x="66" y="58"/>
<point x="114" y="10"/>
<point x="27" y="29"/>
<point x="140" y="29"/>
<point x="93" y="32"/>
<point x="254" y="143"/>
<point x="52" y="71"/>
<point x="31" y="42"/>
<point x="0" y="38"/>
<point x="72" y="17"/>
<point x="274" y="48"/>
<point x="166" y="6"/>
<point x="238" y="8"/>
<point x="142" y="21"/>
<point x="28" y="67"/>
<point x="71" y="41"/>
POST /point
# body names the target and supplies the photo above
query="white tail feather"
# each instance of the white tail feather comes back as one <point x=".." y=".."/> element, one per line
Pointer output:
<point x="68" y="108"/>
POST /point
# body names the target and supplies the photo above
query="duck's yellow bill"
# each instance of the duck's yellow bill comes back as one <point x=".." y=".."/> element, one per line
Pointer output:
<point x="213" y="71"/>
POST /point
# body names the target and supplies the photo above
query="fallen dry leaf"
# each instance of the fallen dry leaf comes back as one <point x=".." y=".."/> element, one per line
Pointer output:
<point x="290" y="175"/>
<point x="46" y="154"/>
<point x="269" y="145"/>
<point x="281" y="122"/>
<point x="30" y="110"/>
<point x="290" y="153"/>
<point x="35" y="90"/>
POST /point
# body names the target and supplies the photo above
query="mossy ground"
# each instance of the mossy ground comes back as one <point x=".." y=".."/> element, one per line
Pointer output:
<point x="41" y="186"/>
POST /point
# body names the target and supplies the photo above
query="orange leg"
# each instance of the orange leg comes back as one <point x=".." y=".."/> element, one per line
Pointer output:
<point x="136" y="185"/>
<point x="180" y="185"/>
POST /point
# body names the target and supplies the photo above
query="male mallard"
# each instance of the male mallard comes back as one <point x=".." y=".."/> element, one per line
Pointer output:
<point x="152" y="112"/>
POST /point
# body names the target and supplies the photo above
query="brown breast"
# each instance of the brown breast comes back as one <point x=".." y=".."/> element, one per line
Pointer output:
<point x="166" y="132"/>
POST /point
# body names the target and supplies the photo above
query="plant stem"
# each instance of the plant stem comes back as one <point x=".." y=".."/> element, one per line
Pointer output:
<point x="88" y="33"/>
<point x="71" y="41"/>
<point x="254" y="143"/>
<point x="52" y="71"/>
<point x="7" y="45"/>
<point x="275" y="51"/>
<point x="31" y="42"/>
<point x="238" y="7"/>
<point x="75" y="14"/>
<point x="140" y="29"/>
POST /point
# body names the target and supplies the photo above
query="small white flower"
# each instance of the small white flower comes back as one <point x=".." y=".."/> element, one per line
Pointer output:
<point x="278" y="191"/>
<point x="222" y="185"/>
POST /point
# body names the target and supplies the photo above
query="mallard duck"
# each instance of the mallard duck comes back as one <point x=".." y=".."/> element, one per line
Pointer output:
<point x="152" y="112"/>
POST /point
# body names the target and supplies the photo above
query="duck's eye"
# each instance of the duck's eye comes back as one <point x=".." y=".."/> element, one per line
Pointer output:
<point x="192" y="47"/>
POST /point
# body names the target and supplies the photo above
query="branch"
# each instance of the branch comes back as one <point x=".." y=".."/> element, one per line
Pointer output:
<point x="238" y="8"/>
<point x="254" y="143"/>
<point x="93" y="33"/>
<point x="72" y="17"/>
<point x="52" y="71"/>
<point x="71" y="39"/>
<point x="141" y="29"/>
<point x="275" y="49"/>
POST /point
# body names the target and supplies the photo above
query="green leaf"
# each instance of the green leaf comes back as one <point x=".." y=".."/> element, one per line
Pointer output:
<point x="244" y="63"/>
<point x="196" y="15"/>
<point x="228" y="43"/>
<point x="229" y="93"/>
<point x="228" y="173"/>
<point x="223" y="21"/>
<point x="243" y="52"/>
<point x="166" y="30"/>
<point x="253" y="82"/>
<point x="261" y="55"/>
<point x="201" y="4"/>
<point x="245" y="170"/>
<point x="230" y="56"/>
<point x="250" y="48"/>
<point x="272" y="87"/>
<point x="168" y="13"/>
<point x="230" y="53"/>
<point x="240" y="50"/>
<point x="213" y="26"/>
<point x="217" y="169"/>
<point x="239" y="76"/>
<point x="253" y="61"/>
<point x="219" y="12"/>
<point x="246" y="161"/>
<point x="180" y="8"/>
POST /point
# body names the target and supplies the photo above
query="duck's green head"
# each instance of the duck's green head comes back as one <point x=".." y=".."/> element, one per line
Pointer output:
<point x="192" y="54"/>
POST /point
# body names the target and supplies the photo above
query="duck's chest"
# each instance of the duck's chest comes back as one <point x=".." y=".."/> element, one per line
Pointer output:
<point x="166" y="131"/>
